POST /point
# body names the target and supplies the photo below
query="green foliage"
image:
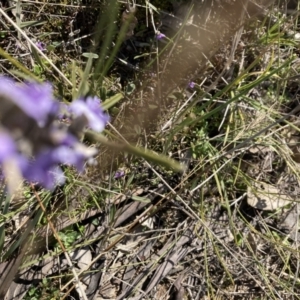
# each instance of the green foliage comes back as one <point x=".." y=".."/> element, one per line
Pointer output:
<point x="200" y="142"/>
<point x="46" y="290"/>
<point x="68" y="237"/>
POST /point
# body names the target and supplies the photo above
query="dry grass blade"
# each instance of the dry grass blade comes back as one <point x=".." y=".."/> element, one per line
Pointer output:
<point x="9" y="269"/>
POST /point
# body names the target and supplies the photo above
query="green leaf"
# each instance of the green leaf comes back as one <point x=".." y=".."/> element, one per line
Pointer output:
<point x="141" y="199"/>
<point x="149" y="155"/>
<point x="110" y="102"/>
<point x="32" y="23"/>
<point x="90" y="55"/>
<point x="130" y="88"/>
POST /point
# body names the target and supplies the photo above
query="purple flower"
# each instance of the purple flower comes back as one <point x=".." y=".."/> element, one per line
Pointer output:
<point x="91" y="109"/>
<point x="47" y="175"/>
<point x="41" y="46"/>
<point x="160" y="36"/>
<point x="34" y="99"/>
<point x="40" y="102"/>
<point x="45" y="169"/>
<point x="191" y="84"/>
<point x="119" y="174"/>
<point x="33" y="139"/>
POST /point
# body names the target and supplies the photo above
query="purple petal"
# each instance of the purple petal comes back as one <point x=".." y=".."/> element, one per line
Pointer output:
<point x="60" y="136"/>
<point x="41" y="46"/>
<point x="47" y="177"/>
<point x="119" y="174"/>
<point x="45" y="171"/>
<point x="160" y="36"/>
<point x="40" y="102"/>
<point x="92" y="111"/>
<point x="68" y="156"/>
<point x="36" y="100"/>
<point x="191" y="84"/>
<point x="45" y="168"/>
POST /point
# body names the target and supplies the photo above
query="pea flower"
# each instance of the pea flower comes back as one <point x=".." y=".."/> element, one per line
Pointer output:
<point x="191" y="84"/>
<point x="90" y="112"/>
<point x="119" y="174"/>
<point x="32" y="135"/>
<point x="45" y="168"/>
<point x="160" y="36"/>
<point x="41" y="46"/>
<point x="35" y="100"/>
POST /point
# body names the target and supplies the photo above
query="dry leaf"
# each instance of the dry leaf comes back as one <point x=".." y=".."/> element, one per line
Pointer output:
<point x="266" y="196"/>
<point x="290" y="223"/>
